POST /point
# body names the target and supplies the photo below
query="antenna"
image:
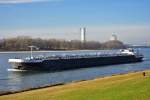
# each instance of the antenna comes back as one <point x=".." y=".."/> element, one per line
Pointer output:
<point x="31" y="49"/>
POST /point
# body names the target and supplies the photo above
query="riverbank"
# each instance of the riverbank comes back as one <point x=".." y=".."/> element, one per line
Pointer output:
<point x="131" y="86"/>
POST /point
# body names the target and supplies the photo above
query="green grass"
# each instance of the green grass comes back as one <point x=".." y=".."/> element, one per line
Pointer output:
<point x="132" y="86"/>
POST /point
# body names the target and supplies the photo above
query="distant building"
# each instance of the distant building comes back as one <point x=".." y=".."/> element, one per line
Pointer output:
<point x="113" y="37"/>
<point x="83" y="34"/>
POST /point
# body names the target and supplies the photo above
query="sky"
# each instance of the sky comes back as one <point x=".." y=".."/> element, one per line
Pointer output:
<point x="62" y="19"/>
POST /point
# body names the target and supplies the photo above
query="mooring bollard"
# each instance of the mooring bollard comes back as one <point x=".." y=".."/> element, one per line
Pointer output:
<point x="144" y="74"/>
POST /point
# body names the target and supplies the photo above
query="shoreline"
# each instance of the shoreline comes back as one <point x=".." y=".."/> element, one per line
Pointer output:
<point x="5" y="93"/>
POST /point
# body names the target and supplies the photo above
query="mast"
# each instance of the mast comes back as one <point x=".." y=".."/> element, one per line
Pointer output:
<point x="31" y="51"/>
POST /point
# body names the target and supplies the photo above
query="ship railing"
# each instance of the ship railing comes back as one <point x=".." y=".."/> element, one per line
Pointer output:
<point x="86" y="56"/>
<point x="75" y="56"/>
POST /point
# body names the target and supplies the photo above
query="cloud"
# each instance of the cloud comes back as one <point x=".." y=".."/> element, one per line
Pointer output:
<point x="25" y="1"/>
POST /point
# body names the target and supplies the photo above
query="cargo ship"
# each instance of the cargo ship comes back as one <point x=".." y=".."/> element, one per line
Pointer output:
<point x="67" y="62"/>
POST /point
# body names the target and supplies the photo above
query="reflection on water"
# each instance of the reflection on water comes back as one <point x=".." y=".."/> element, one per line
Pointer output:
<point x="21" y="80"/>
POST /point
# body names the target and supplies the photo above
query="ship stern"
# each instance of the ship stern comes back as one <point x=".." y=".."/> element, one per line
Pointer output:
<point x="16" y="63"/>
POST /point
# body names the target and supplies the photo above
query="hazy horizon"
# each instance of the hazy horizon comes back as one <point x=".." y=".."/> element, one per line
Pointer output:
<point x="62" y="19"/>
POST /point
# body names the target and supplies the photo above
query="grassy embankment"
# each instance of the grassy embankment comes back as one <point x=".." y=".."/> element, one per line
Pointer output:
<point x="132" y="86"/>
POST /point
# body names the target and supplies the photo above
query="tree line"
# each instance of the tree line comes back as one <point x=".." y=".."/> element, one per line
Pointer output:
<point x="21" y="44"/>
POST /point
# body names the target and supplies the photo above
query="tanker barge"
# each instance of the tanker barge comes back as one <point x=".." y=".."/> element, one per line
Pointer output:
<point x="58" y="63"/>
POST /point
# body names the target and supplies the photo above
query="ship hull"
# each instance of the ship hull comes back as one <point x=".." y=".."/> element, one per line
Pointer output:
<point x="67" y="64"/>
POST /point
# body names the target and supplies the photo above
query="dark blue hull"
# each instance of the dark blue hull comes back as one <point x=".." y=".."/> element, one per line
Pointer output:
<point x="66" y="64"/>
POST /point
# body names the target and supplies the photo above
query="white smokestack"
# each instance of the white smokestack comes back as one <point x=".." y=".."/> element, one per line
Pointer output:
<point x="83" y="34"/>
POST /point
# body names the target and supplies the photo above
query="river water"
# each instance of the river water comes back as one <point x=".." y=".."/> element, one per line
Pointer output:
<point x="12" y="81"/>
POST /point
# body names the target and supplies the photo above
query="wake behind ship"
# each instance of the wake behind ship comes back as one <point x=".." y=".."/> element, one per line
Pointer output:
<point x="58" y="63"/>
